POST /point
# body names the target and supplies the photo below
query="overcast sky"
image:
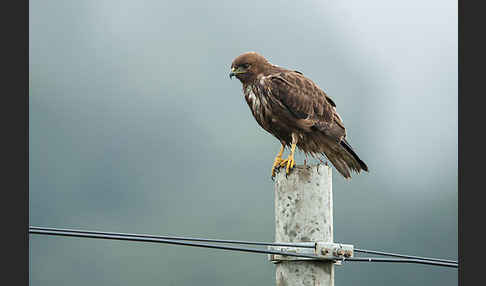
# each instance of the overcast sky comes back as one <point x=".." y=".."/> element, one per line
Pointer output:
<point x="136" y="127"/>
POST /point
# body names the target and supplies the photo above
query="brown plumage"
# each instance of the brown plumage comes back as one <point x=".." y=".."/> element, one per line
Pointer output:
<point x="296" y="111"/>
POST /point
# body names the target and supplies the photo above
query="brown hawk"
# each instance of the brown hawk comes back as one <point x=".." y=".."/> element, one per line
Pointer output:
<point x="296" y="111"/>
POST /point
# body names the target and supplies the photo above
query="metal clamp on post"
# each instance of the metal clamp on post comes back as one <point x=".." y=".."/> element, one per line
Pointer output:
<point x="334" y="251"/>
<point x="307" y="248"/>
<point x="323" y="250"/>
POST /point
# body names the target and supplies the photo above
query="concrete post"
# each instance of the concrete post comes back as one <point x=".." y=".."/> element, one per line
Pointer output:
<point x="303" y="213"/>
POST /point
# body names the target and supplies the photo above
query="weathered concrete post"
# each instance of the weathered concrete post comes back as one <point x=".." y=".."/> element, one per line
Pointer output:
<point x="303" y="213"/>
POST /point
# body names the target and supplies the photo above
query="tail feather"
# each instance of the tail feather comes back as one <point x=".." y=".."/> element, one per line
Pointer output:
<point x="340" y="165"/>
<point x="344" y="159"/>
<point x="348" y="148"/>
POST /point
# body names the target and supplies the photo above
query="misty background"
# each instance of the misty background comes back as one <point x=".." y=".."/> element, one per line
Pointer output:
<point x="136" y="127"/>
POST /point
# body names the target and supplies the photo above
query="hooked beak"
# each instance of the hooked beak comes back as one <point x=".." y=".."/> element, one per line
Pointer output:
<point x="235" y="71"/>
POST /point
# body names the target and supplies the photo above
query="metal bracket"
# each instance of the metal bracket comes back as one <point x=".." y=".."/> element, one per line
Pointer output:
<point x="328" y="251"/>
<point x="276" y="258"/>
<point x="334" y="251"/>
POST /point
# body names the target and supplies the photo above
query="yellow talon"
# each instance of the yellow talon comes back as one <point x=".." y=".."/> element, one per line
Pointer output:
<point x="278" y="160"/>
<point x="290" y="160"/>
<point x="289" y="163"/>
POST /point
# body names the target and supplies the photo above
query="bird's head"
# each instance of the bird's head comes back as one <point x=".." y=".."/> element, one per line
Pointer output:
<point x="246" y="67"/>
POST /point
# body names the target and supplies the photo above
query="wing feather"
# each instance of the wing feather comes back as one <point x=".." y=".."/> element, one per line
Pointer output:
<point x="307" y="102"/>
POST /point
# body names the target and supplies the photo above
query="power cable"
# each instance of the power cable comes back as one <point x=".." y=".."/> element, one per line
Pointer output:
<point x="167" y="241"/>
<point x="306" y="245"/>
<point x="400" y="260"/>
<point x="403" y="256"/>
<point x="164" y="239"/>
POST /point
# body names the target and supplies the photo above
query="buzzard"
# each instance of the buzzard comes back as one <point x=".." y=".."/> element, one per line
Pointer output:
<point x="296" y="111"/>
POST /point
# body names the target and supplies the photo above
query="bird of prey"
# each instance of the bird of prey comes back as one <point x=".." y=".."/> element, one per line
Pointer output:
<point x="296" y="111"/>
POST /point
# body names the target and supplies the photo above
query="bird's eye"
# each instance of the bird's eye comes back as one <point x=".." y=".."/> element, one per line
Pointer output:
<point x="246" y="66"/>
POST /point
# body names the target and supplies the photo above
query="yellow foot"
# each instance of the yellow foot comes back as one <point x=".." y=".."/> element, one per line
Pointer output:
<point x="278" y="160"/>
<point x="276" y="164"/>
<point x="289" y="163"/>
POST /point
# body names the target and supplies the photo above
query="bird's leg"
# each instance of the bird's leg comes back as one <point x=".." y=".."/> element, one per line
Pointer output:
<point x="290" y="159"/>
<point x="290" y="162"/>
<point x="278" y="160"/>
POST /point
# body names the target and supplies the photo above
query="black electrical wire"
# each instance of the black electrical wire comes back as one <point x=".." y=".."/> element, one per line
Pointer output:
<point x="306" y="245"/>
<point x="168" y="241"/>
<point x="403" y="256"/>
<point x="146" y="238"/>
<point x="400" y="260"/>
